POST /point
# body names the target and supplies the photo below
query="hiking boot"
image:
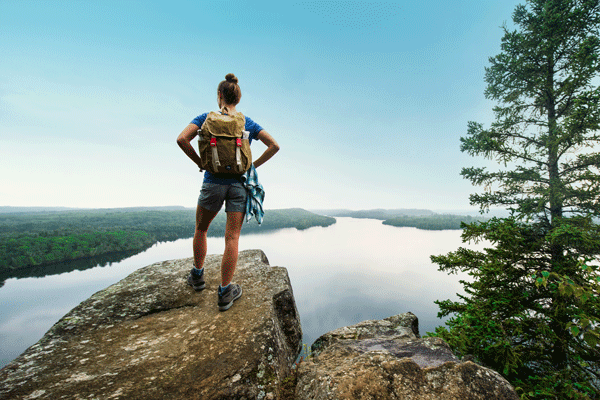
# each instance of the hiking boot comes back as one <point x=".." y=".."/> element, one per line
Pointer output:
<point x="196" y="281"/>
<point x="228" y="296"/>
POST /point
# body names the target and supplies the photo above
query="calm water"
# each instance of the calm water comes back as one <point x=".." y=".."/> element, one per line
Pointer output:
<point x="354" y="270"/>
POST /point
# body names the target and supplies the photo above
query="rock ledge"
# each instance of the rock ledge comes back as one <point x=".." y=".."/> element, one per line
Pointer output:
<point x="150" y="336"/>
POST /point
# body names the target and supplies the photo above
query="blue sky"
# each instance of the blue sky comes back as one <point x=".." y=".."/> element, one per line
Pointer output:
<point x="368" y="99"/>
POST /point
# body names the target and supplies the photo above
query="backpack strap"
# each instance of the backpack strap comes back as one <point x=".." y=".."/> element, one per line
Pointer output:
<point x="238" y="153"/>
<point x="215" y="153"/>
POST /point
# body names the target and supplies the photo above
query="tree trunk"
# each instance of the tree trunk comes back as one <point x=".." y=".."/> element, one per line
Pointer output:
<point x="558" y="314"/>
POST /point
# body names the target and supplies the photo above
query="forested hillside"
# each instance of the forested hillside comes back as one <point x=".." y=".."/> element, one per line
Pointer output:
<point x="38" y="238"/>
<point x="408" y="217"/>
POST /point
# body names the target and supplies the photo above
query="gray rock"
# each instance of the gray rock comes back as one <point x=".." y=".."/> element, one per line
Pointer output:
<point x="387" y="359"/>
<point x="150" y="336"/>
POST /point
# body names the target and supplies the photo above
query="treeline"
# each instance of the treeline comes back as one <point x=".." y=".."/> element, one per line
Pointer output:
<point x="433" y="222"/>
<point x="29" y="250"/>
<point x="163" y="224"/>
<point x="33" y="239"/>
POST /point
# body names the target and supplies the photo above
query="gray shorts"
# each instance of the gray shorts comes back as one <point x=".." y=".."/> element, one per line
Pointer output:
<point x="213" y="195"/>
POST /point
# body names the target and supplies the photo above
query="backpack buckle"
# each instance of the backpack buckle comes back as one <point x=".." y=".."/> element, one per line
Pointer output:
<point x="213" y="142"/>
<point x="238" y="142"/>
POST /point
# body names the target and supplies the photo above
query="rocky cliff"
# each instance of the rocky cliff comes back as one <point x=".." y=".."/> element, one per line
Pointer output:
<point x="150" y="336"/>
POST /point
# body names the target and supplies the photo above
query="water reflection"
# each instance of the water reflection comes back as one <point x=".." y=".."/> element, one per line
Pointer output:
<point x="354" y="270"/>
<point x="360" y="269"/>
<point x="68" y="266"/>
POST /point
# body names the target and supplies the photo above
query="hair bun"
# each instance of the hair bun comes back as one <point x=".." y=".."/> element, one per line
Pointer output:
<point x="231" y="78"/>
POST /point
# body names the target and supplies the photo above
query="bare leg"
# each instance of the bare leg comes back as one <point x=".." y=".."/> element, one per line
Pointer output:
<point x="232" y="238"/>
<point x="203" y="219"/>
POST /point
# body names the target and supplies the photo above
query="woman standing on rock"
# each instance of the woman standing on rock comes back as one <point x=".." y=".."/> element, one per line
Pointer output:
<point x="218" y="188"/>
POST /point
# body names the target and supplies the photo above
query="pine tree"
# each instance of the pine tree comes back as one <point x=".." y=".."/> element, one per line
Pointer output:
<point x="531" y="309"/>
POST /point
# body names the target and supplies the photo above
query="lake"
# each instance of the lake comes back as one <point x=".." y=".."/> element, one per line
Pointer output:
<point x="354" y="270"/>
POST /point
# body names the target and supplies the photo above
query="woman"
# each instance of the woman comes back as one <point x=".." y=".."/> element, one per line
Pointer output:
<point x="219" y="189"/>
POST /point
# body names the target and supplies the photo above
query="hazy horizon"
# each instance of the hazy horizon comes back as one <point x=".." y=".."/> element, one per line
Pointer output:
<point x="368" y="99"/>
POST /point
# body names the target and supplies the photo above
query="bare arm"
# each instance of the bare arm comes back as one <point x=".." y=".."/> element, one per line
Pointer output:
<point x="272" y="148"/>
<point x="184" y="139"/>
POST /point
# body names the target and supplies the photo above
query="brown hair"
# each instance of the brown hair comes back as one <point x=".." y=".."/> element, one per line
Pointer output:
<point x="230" y="90"/>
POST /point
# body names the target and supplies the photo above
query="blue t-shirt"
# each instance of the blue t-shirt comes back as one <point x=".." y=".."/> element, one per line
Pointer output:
<point x="251" y="127"/>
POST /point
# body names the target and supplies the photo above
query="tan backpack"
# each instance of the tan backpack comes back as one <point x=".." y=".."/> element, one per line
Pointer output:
<point x="224" y="144"/>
